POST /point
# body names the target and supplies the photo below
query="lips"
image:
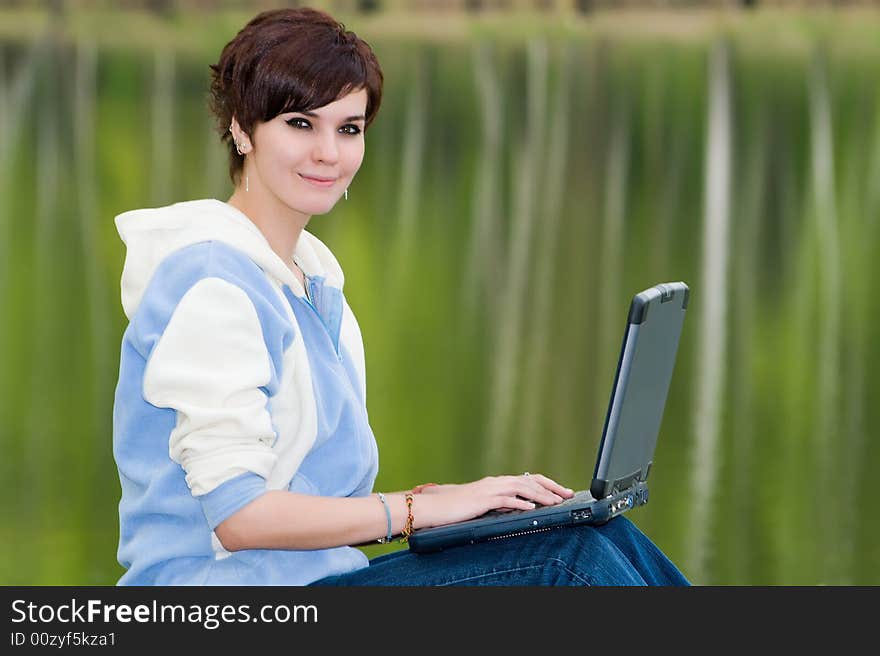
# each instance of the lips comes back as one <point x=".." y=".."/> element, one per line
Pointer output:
<point x="318" y="181"/>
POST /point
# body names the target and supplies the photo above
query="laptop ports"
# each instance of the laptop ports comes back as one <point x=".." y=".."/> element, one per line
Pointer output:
<point x="622" y="504"/>
<point x="581" y="515"/>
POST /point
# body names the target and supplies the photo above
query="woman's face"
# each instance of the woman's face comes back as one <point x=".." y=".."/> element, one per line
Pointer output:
<point x="326" y="143"/>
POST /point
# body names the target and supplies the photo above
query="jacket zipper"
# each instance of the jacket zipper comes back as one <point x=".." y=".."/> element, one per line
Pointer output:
<point x="318" y="314"/>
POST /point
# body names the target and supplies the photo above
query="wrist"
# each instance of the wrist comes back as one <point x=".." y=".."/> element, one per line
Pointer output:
<point x="423" y="509"/>
<point x="400" y="512"/>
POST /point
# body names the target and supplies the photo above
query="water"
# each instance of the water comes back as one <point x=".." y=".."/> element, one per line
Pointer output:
<point x="515" y="194"/>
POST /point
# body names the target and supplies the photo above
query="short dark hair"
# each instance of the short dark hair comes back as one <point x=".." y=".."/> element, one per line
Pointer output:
<point x="289" y="60"/>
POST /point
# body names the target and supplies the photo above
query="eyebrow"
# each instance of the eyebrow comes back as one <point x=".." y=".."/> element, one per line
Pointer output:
<point x="348" y="118"/>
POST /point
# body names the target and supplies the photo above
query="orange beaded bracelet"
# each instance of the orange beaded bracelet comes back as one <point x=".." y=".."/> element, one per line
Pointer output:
<point x="408" y="528"/>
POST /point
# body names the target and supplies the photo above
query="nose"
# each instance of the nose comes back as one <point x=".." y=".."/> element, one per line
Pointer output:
<point x="326" y="149"/>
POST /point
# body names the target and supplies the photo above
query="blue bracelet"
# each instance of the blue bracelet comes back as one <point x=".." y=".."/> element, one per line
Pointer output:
<point x="387" y="538"/>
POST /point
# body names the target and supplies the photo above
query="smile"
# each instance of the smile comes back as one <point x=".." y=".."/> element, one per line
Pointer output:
<point x="318" y="183"/>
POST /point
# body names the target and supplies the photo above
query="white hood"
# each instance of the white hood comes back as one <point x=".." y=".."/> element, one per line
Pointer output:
<point x="150" y="235"/>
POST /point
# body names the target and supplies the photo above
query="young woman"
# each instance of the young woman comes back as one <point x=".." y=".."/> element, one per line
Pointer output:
<point x="240" y="426"/>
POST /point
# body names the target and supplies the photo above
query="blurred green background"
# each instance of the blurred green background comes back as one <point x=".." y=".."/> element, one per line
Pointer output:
<point x="528" y="172"/>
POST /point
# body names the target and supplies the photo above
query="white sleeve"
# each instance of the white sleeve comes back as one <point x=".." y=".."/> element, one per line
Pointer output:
<point x="209" y="366"/>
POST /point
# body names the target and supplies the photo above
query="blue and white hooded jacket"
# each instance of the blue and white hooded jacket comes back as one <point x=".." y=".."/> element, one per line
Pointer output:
<point x="231" y="383"/>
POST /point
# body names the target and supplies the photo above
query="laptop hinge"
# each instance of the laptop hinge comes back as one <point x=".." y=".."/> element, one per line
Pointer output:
<point x="601" y="488"/>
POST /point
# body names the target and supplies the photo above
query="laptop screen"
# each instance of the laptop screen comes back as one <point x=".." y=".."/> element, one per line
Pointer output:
<point x="641" y="384"/>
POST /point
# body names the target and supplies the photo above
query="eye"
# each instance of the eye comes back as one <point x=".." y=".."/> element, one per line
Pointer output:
<point x="302" y="124"/>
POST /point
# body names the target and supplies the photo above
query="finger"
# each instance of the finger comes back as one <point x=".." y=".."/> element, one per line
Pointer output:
<point x="514" y="503"/>
<point x="552" y="485"/>
<point x="535" y="491"/>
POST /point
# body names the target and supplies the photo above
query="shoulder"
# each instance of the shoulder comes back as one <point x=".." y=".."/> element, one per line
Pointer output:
<point x="221" y="282"/>
<point x="184" y="268"/>
<point x="207" y="258"/>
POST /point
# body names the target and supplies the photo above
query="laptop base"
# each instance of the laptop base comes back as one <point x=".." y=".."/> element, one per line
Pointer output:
<point x="500" y="525"/>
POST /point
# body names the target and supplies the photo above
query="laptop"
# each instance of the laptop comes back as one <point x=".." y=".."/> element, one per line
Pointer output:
<point x="629" y="437"/>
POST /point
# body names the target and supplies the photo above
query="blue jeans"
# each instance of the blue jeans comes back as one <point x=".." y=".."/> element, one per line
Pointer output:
<point x="617" y="553"/>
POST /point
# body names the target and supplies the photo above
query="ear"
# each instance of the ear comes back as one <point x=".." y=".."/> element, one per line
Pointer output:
<point x="240" y="137"/>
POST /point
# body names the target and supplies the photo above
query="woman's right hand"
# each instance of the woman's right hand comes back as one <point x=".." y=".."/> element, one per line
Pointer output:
<point x="444" y="504"/>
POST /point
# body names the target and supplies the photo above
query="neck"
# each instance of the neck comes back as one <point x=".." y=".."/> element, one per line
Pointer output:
<point x="280" y="225"/>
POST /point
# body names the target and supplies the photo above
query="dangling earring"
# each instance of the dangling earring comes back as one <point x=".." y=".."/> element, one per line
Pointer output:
<point x="346" y="193"/>
<point x="238" y="148"/>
